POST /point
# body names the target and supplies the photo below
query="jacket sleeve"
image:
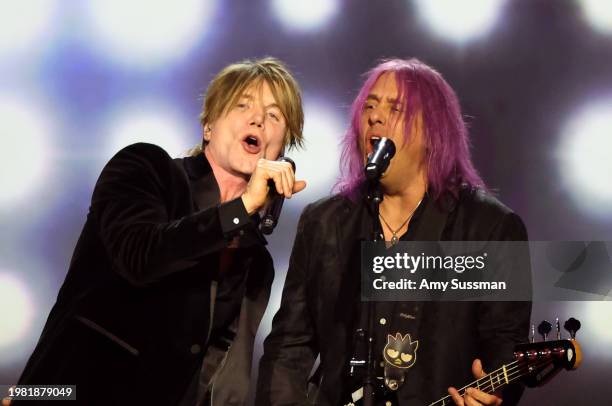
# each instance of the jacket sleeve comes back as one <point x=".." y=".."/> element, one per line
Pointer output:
<point x="502" y="325"/>
<point x="290" y="349"/>
<point x="131" y="211"/>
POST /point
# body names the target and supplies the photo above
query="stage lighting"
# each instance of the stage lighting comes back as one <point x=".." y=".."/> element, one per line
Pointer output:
<point x="24" y="150"/>
<point x="459" y="21"/>
<point x="599" y="14"/>
<point x="25" y="25"/>
<point x="17" y="312"/>
<point x="142" y="33"/>
<point x="584" y="158"/>
<point x="596" y="325"/>
<point x="322" y="132"/>
<point x="153" y="124"/>
<point x="305" y="15"/>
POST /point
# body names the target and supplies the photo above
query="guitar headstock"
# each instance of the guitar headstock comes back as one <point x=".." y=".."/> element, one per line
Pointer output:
<point x="538" y="362"/>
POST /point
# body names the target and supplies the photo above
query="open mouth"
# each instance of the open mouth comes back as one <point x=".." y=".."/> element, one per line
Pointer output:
<point x="251" y="144"/>
<point x="372" y="141"/>
<point x="252" y="140"/>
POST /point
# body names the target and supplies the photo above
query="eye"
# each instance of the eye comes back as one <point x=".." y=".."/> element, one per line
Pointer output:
<point x="242" y="105"/>
<point x="369" y="106"/>
<point x="392" y="353"/>
<point x="275" y="116"/>
<point x="406" y="357"/>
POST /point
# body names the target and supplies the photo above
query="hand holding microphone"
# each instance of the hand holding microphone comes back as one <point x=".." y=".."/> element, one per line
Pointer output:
<point x="280" y="173"/>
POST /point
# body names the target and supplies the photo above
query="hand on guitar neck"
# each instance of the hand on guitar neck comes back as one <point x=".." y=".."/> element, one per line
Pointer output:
<point x="475" y="396"/>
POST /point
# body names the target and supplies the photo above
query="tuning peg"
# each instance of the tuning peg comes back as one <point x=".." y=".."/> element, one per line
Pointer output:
<point x="532" y="338"/>
<point x="558" y="325"/>
<point x="544" y="328"/>
<point x="572" y="325"/>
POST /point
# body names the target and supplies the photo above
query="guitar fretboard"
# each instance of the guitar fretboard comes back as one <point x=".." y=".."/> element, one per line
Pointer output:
<point x="488" y="383"/>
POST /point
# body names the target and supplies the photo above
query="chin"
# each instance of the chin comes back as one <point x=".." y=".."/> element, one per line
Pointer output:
<point x="245" y="168"/>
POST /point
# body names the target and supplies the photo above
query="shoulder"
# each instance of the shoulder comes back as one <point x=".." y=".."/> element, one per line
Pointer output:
<point x="140" y="157"/>
<point x="138" y="166"/>
<point x="477" y="200"/>
<point x="142" y="152"/>
<point x="328" y="207"/>
<point x="488" y="215"/>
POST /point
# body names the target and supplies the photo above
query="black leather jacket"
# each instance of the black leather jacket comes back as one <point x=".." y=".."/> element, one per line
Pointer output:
<point x="320" y="302"/>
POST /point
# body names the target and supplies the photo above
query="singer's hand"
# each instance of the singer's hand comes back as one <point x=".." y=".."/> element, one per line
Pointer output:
<point x="257" y="189"/>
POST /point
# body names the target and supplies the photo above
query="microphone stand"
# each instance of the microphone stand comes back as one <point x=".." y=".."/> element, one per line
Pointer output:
<point x="375" y="197"/>
<point x="377" y="163"/>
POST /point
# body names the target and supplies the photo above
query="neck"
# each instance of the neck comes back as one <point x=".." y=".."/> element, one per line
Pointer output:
<point x="231" y="185"/>
<point x="398" y="203"/>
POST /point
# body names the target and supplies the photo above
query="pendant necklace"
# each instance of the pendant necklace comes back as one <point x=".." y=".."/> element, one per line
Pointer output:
<point x="394" y="238"/>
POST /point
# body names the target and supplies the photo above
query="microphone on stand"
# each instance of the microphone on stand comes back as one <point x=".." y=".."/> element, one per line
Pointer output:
<point x="378" y="161"/>
<point x="273" y="209"/>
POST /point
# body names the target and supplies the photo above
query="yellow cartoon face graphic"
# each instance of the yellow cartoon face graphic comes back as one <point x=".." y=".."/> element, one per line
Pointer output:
<point x="400" y="351"/>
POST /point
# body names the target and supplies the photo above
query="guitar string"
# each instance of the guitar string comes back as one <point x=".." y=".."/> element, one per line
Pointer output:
<point x="518" y="372"/>
<point x="513" y="374"/>
<point x="472" y="383"/>
<point x="516" y="376"/>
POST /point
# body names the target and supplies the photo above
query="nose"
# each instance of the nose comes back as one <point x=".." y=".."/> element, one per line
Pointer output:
<point x="257" y="117"/>
<point x="377" y="116"/>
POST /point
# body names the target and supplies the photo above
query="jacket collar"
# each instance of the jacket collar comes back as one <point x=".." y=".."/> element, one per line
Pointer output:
<point x="197" y="166"/>
<point x="203" y="183"/>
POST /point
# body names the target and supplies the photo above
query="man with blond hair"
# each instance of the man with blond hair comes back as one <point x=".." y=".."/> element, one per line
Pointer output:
<point x="170" y="276"/>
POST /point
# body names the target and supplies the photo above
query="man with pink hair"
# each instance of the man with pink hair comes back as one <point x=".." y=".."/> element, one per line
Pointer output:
<point x="431" y="192"/>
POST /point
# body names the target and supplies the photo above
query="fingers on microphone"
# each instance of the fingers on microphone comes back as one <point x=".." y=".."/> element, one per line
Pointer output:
<point x="287" y="184"/>
<point x="287" y="177"/>
<point x="277" y="177"/>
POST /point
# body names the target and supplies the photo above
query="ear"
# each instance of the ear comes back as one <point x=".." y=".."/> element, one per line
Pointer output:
<point x="207" y="132"/>
<point x="414" y="345"/>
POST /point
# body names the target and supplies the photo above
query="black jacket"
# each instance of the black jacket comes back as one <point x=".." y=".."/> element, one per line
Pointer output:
<point x="132" y="319"/>
<point x="320" y="302"/>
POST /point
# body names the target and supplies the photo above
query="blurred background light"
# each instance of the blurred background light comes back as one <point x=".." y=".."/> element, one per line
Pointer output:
<point x="26" y="26"/>
<point x="141" y="33"/>
<point x="152" y="123"/>
<point x="584" y="158"/>
<point x="318" y="163"/>
<point x="25" y="138"/>
<point x="599" y="14"/>
<point x="17" y="313"/>
<point x="305" y="15"/>
<point x="597" y="321"/>
<point x="459" y="21"/>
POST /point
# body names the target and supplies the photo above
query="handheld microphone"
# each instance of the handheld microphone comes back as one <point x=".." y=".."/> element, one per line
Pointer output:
<point x="273" y="209"/>
<point x="378" y="161"/>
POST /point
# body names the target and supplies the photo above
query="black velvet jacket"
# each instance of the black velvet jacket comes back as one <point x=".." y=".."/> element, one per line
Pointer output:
<point x="320" y="306"/>
<point x="132" y="320"/>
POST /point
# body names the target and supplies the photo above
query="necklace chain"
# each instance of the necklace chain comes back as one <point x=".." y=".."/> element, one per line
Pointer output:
<point x="394" y="238"/>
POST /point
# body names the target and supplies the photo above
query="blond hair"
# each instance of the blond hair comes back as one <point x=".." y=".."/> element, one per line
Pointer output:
<point x="229" y="85"/>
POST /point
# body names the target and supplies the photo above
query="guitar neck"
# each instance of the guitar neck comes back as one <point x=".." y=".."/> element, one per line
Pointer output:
<point x="490" y="382"/>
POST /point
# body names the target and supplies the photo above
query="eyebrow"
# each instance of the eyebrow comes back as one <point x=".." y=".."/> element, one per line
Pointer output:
<point x="271" y="105"/>
<point x="378" y="99"/>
